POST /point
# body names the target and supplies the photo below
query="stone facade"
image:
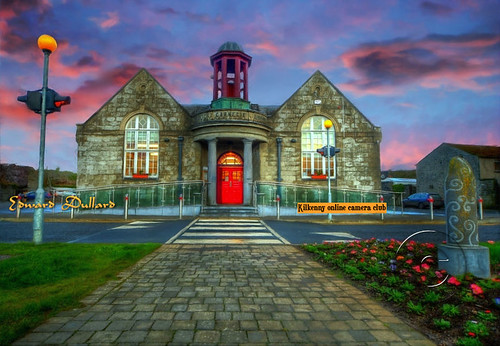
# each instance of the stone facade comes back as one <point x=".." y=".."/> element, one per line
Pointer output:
<point x="484" y="161"/>
<point x="230" y="124"/>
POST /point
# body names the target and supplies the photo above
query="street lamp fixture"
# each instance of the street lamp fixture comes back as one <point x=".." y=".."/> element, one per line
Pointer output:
<point x="43" y="101"/>
<point x="46" y="42"/>
<point x="48" y="45"/>
<point x="328" y="124"/>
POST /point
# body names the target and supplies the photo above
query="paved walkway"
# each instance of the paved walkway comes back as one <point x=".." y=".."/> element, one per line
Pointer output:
<point x="217" y="294"/>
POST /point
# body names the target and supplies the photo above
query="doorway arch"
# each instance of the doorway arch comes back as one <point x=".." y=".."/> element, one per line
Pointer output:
<point x="230" y="178"/>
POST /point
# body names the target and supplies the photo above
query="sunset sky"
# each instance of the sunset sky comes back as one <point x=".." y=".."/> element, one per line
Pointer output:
<point x="426" y="72"/>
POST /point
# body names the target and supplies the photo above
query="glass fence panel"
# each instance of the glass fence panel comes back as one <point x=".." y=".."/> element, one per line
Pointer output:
<point x="293" y="194"/>
<point x="144" y="196"/>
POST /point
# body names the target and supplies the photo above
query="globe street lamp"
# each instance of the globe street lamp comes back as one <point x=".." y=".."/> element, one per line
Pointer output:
<point x="48" y="45"/>
<point x="328" y="124"/>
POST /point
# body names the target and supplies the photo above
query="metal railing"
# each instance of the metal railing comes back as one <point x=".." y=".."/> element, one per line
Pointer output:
<point x="265" y="194"/>
<point x="147" y="195"/>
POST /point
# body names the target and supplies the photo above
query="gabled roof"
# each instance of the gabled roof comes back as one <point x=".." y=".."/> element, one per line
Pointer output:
<point x="321" y="75"/>
<point x="483" y="151"/>
<point x="130" y="81"/>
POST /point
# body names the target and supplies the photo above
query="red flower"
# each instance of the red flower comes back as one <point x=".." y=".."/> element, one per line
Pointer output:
<point x="362" y="260"/>
<point x="410" y="261"/>
<point x="353" y="252"/>
<point x="399" y="258"/>
<point x="417" y="269"/>
<point x="410" y="248"/>
<point x="365" y="250"/>
<point x="423" y="278"/>
<point x="453" y="280"/>
<point x="438" y="274"/>
<point x="425" y="266"/>
<point x="476" y="289"/>
<point x="490" y="242"/>
<point x="472" y="334"/>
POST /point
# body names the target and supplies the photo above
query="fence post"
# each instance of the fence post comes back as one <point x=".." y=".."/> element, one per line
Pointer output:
<point x="401" y="200"/>
<point x="431" y="206"/>
<point x="382" y="201"/>
<point x="126" y="206"/>
<point x="72" y="213"/>
<point x="18" y="209"/>
<point x="181" y="199"/>
<point x="480" y="200"/>
<point x="278" y="206"/>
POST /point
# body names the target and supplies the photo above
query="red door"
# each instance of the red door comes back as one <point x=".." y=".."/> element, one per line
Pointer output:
<point x="231" y="185"/>
<point x="230" y="179"/>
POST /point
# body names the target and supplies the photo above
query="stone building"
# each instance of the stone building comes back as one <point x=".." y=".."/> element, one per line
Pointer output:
<point x="143" y="135"/>
<point x="485" y="163"/>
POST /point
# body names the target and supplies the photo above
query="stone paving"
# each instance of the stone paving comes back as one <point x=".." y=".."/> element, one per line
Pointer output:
<point x="218" y="294"/>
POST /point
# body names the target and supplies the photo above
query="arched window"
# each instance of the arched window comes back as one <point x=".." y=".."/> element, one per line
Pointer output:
<point x="142" y="135"/>
<point x="314" y="137"/>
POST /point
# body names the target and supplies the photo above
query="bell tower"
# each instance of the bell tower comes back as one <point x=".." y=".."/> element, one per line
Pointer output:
<point x="230" y="76"/>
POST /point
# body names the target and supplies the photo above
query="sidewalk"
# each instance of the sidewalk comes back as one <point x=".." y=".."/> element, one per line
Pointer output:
<point x="410" y="216"/>
<point x="186" y="294"/>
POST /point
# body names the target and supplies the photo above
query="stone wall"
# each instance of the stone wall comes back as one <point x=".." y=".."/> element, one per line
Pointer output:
<point x="357" y="164"/>
<point x="101" y="138"/>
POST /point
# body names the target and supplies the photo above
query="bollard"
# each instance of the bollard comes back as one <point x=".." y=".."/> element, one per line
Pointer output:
<point x="431" y="206"/>
<point x="181" y="205"/>
<point x="382" y="201"/>
<point x="278" y="206"/>
<point x="480" y="200"/>
<point x="18" y="210"/>
<point x="126" y="206"/>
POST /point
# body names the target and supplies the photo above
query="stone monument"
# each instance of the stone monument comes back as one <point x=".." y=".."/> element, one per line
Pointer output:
<point x="462" y="254"/>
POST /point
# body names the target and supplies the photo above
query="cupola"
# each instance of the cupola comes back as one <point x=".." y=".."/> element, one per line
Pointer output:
<point x="230" y="75"/>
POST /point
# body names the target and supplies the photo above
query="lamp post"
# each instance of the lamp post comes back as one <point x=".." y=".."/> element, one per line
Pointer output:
<point x="48" y="45"/>
<point x="328" y="124"/>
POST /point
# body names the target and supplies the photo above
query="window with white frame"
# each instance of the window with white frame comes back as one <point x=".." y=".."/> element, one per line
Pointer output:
<point x="314" y="137"/>
<point x="142" y="134"/>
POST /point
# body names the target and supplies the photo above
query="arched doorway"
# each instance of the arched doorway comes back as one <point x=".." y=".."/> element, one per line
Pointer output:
<point x="230" y="179"/>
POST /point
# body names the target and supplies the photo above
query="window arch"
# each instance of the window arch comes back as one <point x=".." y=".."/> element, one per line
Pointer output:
<point x="314" y="137"/>
<point x="142" y="134"/>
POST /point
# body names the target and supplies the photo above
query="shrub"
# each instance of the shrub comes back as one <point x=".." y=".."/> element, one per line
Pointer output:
<point x="415" y="308"/>
<point x="478" y="328"/>
<point x="441" y="323"/>
<point x="468" y="342"/>
<point x="393" y="280"/>
<point x="396" y="296"/>
<point x="431" y="297"/>
<point x="487" y="316"/>
<point x="406" y="286"/>
<point x="450" y="310"/>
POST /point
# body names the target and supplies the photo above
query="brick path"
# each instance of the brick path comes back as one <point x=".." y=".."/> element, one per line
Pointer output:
<point x="215" y="294"/>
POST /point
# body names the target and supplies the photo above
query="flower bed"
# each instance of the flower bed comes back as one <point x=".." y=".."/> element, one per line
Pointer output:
<point x="457" y="310"/>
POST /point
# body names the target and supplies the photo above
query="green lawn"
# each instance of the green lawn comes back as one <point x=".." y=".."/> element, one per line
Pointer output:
<point x="36" y="282"/>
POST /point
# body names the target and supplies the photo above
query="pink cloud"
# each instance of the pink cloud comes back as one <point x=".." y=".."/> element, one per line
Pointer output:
<point x="110" y="21"/>
<point x="455" y="62"/>
<point x="403" y="146"/>
<point x="266" y="47"/>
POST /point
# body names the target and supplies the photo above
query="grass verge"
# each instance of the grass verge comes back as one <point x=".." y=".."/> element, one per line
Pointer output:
<point x="38" y="281"/>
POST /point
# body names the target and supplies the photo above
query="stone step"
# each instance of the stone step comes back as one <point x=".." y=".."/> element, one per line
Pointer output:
<point x="232" y="211"/>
